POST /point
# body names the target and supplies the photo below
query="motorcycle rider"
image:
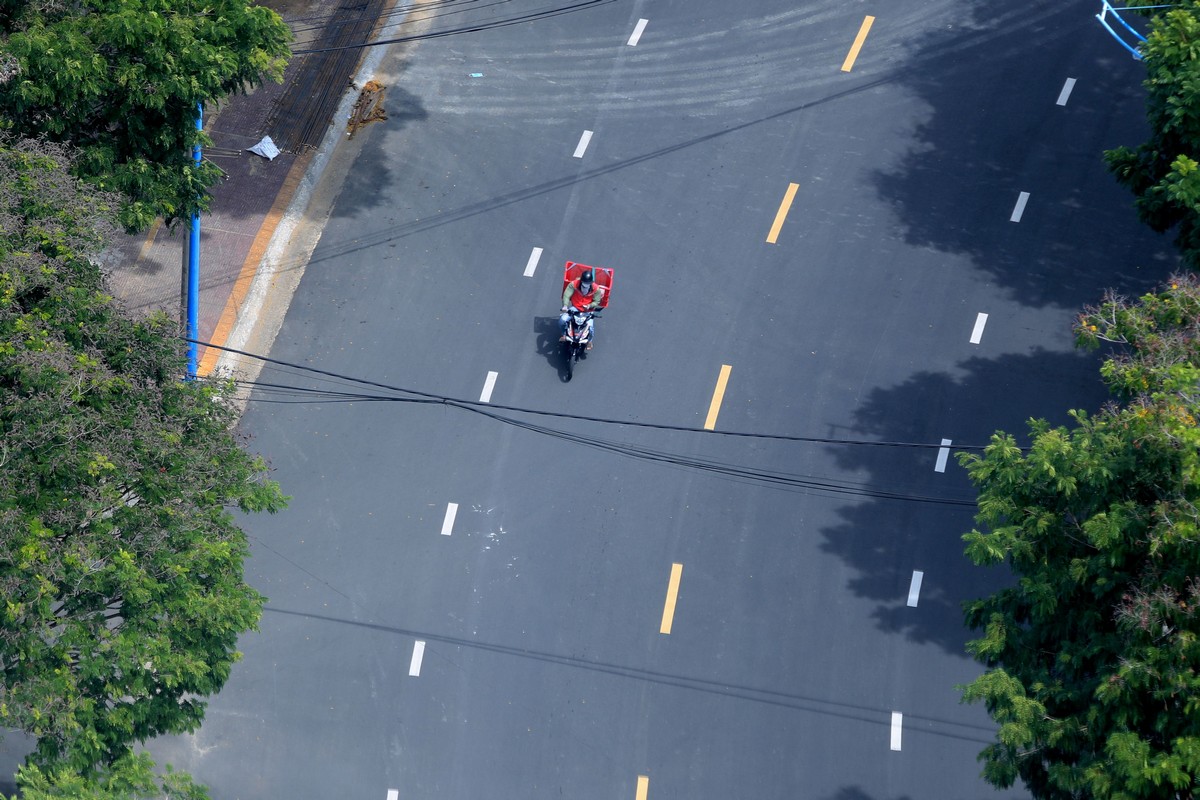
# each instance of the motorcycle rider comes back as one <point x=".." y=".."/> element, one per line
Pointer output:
<point x="584" y="294"/>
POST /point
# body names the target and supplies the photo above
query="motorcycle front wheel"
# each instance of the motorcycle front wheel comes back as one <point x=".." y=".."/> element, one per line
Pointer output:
<point x="569" y="351"/>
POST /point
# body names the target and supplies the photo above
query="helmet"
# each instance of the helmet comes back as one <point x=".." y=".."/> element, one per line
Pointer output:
<point x="585" y="281"/>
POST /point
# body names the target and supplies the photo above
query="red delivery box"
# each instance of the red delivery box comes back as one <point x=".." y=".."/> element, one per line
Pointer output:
<point x="603" y="277"/>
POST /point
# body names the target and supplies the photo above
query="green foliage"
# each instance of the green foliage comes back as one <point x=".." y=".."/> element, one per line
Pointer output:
<point x="130" y="777"/>
<point x="121" y="80"/>
<point x="1161" y="172"/>
<point x="121" y="566"/>
<point x="1093" y="654"/>
<point x="1160" y="337"/>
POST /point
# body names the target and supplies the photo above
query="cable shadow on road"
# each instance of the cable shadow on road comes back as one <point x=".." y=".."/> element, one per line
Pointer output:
<point x="331" y="250"/>
<point x="884" y="541"/>
<point x="993" y="129"/>
<point x="797" y="702"/>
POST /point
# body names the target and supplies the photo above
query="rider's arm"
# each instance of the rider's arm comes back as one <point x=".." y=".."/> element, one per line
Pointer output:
<point x="598" y="298"/>
<point x="570" y="290"/>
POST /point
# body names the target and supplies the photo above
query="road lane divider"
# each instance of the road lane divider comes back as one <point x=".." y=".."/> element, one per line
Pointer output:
<point x="914" y="588"/>
<point x="531" y="264"/>
<point x="943" y="456"/>
<point x="488" y="385"/>
<point x="977" y="331"/>
<point x="448" y="522"/>
<point x="1019" y="208"/>
<point x="1066" y="91"/>
<point x="414" y="666"/>
<point x="581" y="148"/>
<point x="780" y="215"/>
<point x="637" y="32"/>
<point x="393" y="794"/>
<point x="852" y="56"/>
<point x="714" y="407"/>
<point x="643" y="787"/>
<point x="897" y="729"/>
<point x="668" y="616"/>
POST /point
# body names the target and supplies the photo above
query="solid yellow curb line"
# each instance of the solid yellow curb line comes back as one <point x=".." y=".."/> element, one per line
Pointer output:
<point x="258" y="248"/>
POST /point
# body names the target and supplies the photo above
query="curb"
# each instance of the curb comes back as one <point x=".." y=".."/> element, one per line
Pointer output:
<point x="241" y="314"/>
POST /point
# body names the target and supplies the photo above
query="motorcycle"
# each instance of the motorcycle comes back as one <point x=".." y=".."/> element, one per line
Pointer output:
<point x="579" y="336"/>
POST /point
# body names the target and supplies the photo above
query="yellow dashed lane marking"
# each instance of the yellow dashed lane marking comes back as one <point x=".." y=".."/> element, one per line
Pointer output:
<point x="782" y="213"/>
<point x="643" y="787"/>
<point x="714" y="407"/>
<point x="669" y="608"/>
<point x="858" y="43"/>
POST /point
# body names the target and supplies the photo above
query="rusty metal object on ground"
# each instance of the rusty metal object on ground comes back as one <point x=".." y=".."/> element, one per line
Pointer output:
<point x="368" y="107"/>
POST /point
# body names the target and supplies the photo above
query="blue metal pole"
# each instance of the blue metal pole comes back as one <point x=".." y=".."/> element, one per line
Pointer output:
<point x="193" y="293"/>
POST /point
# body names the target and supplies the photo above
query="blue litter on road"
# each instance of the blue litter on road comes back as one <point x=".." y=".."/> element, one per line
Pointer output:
<point x="476" y="74"/>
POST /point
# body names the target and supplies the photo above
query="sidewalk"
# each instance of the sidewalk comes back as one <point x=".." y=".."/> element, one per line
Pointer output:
<point x="146" y="271"/>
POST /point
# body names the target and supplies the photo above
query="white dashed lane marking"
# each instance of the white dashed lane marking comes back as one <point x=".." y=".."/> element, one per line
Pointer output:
<point x="897" y="729"/>
<point x="531" y="265"/>
<point x="414" y="666"/>
<point x="943" y="456"/>
<point x="581" y="148"/>
<point x="448" y="522"/>
<point x="914" y="588"/>
<point x="977" y="332"/>
<point x="486" y="395"/>
<point x="1019" y="209"/>
<point x="637" y="32"/>
<point x="1066" y="91"/>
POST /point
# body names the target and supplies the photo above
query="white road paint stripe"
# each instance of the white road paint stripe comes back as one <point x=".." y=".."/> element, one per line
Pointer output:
<point x="637" y="32"/>
<point x="914" y="588"/>
<point x="1022" y="199"/>
<point x="448" y="522"/>
<point x="486" y="395"/>
<point x="977" y="332"/>
<point x="1066" y="91"/>
<point x="583" y="143"/>
<point x="897" y="727"/>
<point x="531" y="265"/>
<point x="393" y="794"/>
<point x="943" y="456"/>
<point x="414" y="666"/>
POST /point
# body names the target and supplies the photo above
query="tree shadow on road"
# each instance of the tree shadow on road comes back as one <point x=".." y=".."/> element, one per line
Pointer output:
<point x="884" y="541"/>
<point x="1001" y="67"/>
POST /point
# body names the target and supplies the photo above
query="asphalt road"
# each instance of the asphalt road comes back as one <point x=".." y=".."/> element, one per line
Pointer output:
<point x="801" y="659"/>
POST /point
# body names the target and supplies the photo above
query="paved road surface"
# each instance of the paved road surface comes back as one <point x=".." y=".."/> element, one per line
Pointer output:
<point x="802" y="659"/>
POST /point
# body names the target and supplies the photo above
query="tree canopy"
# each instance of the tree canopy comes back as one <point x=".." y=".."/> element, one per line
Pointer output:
<point x="121" y="564"/>
<point x="1092" y="656"/>
<point x="121" y="80"/>
<point x="1163" y="172"/>
<point x="130" y="777"/>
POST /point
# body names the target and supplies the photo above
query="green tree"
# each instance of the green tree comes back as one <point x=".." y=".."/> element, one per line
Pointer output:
<point x="1162" y="172"/>
<point x="121" y="80"/>
<point x="130" y="777"/>
<point x="121" y="564"/>
<point x="1092" y="656"/>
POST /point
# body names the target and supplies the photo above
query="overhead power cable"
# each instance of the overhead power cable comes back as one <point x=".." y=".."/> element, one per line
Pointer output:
<point x="430" y="397"/>
<point x="473" y="28"/>
<point x="337" y="393"/>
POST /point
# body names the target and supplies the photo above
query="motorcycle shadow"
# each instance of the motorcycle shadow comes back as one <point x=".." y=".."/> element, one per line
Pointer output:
<point x="548" y="345"/>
